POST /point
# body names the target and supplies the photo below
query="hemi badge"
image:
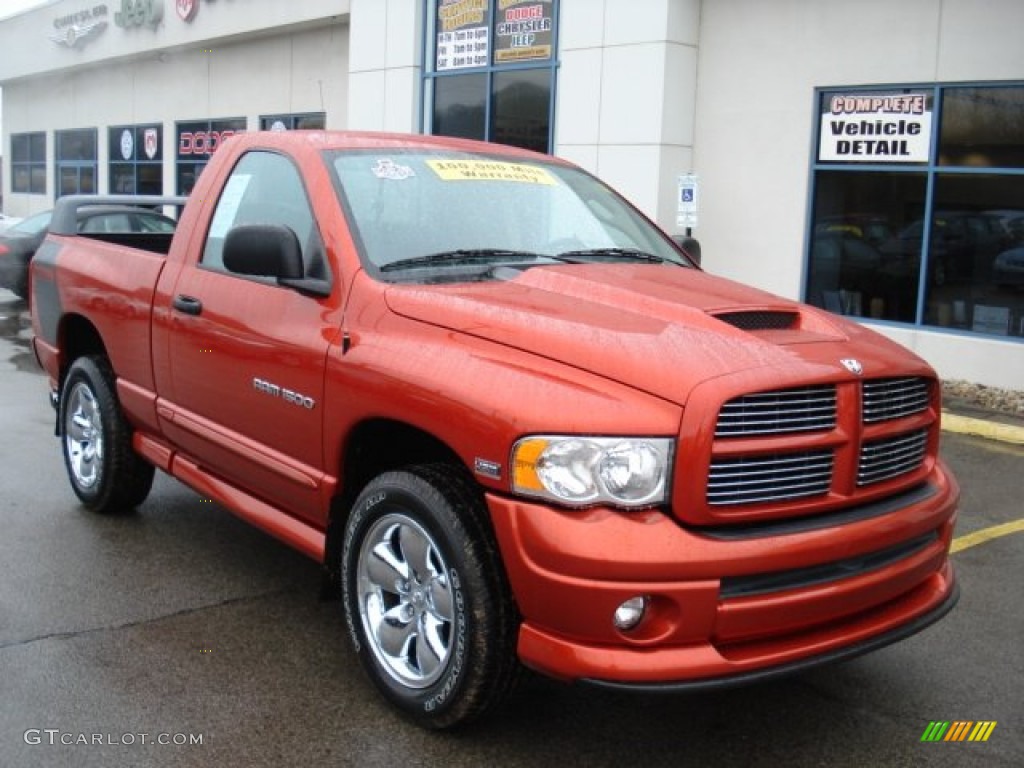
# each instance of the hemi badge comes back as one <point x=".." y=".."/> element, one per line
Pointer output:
<point x="487" y="468"/>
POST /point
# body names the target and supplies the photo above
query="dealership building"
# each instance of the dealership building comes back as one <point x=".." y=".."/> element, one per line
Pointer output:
<point x="867" y="157"/>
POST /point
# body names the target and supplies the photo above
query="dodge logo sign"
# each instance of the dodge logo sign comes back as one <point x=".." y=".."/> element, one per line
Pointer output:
<point x="187" y="9"/>
<point x="150" y="139"/>
<point x="853" y="366"/>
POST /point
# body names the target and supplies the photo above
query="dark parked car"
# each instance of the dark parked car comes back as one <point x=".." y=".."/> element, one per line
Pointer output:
<point x="20" y="241"/>
<point x="963" y="245"/>
<point x="1008" y="269"/>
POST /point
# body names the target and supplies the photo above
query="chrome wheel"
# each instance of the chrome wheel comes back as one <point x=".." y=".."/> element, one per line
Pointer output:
<point x="405" y="600"/>
<point x="83" y="436"/>
<point x="426" y="603"/>
<point x="106" y="474"/>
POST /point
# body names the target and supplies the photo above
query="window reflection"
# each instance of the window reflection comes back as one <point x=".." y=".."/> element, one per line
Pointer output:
<point x="976" y="254"/>
<point x="28" y="163"/>
<point x="866" y="244"/>
<point x="76" y="161"/>
<point x="459" y="105"/>
<point x="982" y="127"/>
<point x="520" y="113"/>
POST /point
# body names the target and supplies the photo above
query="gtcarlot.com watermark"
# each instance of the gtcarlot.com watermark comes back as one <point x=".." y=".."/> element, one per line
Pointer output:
<point x="55" y="736"/>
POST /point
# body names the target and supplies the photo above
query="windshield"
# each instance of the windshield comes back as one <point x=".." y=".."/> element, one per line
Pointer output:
<point x="444" y="210"/>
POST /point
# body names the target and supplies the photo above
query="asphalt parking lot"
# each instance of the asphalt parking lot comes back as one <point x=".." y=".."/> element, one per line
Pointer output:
<point x="183" y="625"/>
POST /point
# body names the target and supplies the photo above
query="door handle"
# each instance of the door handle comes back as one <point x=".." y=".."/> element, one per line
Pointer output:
<point x="188" y="305"/>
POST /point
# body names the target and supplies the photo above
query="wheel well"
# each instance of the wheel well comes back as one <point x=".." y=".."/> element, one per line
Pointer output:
<point x="78" y="337"/>
<point x="374" y="447"/>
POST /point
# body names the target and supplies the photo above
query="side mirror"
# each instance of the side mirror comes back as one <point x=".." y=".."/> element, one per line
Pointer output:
<point x="689" y="244"/>
<point x="263" y="250"/>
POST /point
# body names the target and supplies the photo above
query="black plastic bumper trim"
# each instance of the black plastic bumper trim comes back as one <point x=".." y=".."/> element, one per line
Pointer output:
<point x="801" y="578"/>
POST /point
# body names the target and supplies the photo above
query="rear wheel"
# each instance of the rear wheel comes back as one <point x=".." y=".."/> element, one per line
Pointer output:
<point x="425" y="596"/>
<point x="105" y="472"/>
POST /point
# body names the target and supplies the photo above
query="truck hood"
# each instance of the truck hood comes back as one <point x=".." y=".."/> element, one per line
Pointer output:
<point x="660" y="329"/>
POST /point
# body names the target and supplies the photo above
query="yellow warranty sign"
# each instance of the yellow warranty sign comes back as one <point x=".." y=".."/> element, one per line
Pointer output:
<point x="489" y="170"/>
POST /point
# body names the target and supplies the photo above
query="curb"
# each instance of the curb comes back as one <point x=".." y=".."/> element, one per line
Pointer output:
<point x="992" y="430"/>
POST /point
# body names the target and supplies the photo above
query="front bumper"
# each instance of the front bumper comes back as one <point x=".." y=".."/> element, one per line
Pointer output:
<point x="722" y="609"/>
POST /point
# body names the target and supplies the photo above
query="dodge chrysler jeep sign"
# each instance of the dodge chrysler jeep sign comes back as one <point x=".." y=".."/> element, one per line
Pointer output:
<point x="875" y="127"/>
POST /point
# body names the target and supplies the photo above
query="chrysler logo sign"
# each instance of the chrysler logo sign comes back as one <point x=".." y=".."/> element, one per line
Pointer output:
<point x="74" y="28"/>
<point x="187" y="9"/>
<point x="853" y="366"/>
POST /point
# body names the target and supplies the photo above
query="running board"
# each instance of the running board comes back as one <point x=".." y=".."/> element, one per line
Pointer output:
<point x="310" y="541"/>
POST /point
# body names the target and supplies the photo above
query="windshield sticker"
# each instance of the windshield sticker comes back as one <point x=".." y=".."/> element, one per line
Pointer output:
<point x="489" y="170"/>
<point x="386" y="168"/>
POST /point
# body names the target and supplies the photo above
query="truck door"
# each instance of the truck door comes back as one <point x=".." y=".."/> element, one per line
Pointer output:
<point x="246" y="355"/>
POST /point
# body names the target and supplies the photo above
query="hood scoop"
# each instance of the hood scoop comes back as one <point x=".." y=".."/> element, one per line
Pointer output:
<point x="761" y="319"/>
<point x="781" y="326"/>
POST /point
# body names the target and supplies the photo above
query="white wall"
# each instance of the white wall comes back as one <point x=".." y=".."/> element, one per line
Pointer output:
<point x="625" y="95"/>
<point x="759" y="63"/>
<point x="385" y="65"/>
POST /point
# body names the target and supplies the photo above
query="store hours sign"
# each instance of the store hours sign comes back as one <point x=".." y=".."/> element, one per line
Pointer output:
<point x="472" y="32"/>
<point x="872" y="127"/>
<point x="462" y="34"/>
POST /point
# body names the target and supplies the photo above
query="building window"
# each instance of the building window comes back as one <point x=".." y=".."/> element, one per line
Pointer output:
<point x="136" y="159"/>
<point x="917" y="210"/>
<point x="76" y="167"/>
<point x="309" y="121"/>
<point x="197" y="140"/>
<point x="28" y="163"/>
<point x="490" y="71"/>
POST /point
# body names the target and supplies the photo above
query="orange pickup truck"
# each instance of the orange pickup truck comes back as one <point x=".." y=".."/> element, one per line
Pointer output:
<point x="513" y="419"/>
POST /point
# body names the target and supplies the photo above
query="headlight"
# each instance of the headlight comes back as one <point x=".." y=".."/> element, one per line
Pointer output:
<point x="581" y="471"/>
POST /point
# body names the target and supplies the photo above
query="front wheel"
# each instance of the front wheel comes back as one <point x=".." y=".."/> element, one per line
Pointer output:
<point x="425" y="596"/>
<point x="105" y="472"/>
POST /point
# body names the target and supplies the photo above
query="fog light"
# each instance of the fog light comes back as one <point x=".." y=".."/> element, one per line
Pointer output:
<point x="630" y="613"/>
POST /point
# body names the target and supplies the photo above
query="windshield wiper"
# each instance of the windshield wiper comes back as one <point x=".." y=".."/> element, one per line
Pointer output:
<point x="631" y="254"/>
<point x="466" y="256"/>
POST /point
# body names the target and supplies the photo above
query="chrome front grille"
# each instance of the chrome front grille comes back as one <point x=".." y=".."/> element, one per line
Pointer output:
<point x="794" y="438"/>
<point x="884" y="459"/>
<point x="886" y="399"/>
<point x="802" y="409"/>
<point x="772" y="477"/>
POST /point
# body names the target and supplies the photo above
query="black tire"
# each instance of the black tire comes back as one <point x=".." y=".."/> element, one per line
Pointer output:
<point x="453" y="627"/>
<point x="105" y="472"/>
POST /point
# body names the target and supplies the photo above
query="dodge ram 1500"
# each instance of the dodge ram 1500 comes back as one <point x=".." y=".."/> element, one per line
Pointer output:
<point x="512" y="418"/>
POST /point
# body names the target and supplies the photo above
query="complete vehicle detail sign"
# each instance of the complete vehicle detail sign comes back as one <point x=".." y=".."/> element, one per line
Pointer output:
<point x="872" y="127"/>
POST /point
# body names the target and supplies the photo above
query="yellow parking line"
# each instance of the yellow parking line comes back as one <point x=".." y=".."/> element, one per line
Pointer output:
<point x="986" y="534"/>
<point x="965" y="425"/>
